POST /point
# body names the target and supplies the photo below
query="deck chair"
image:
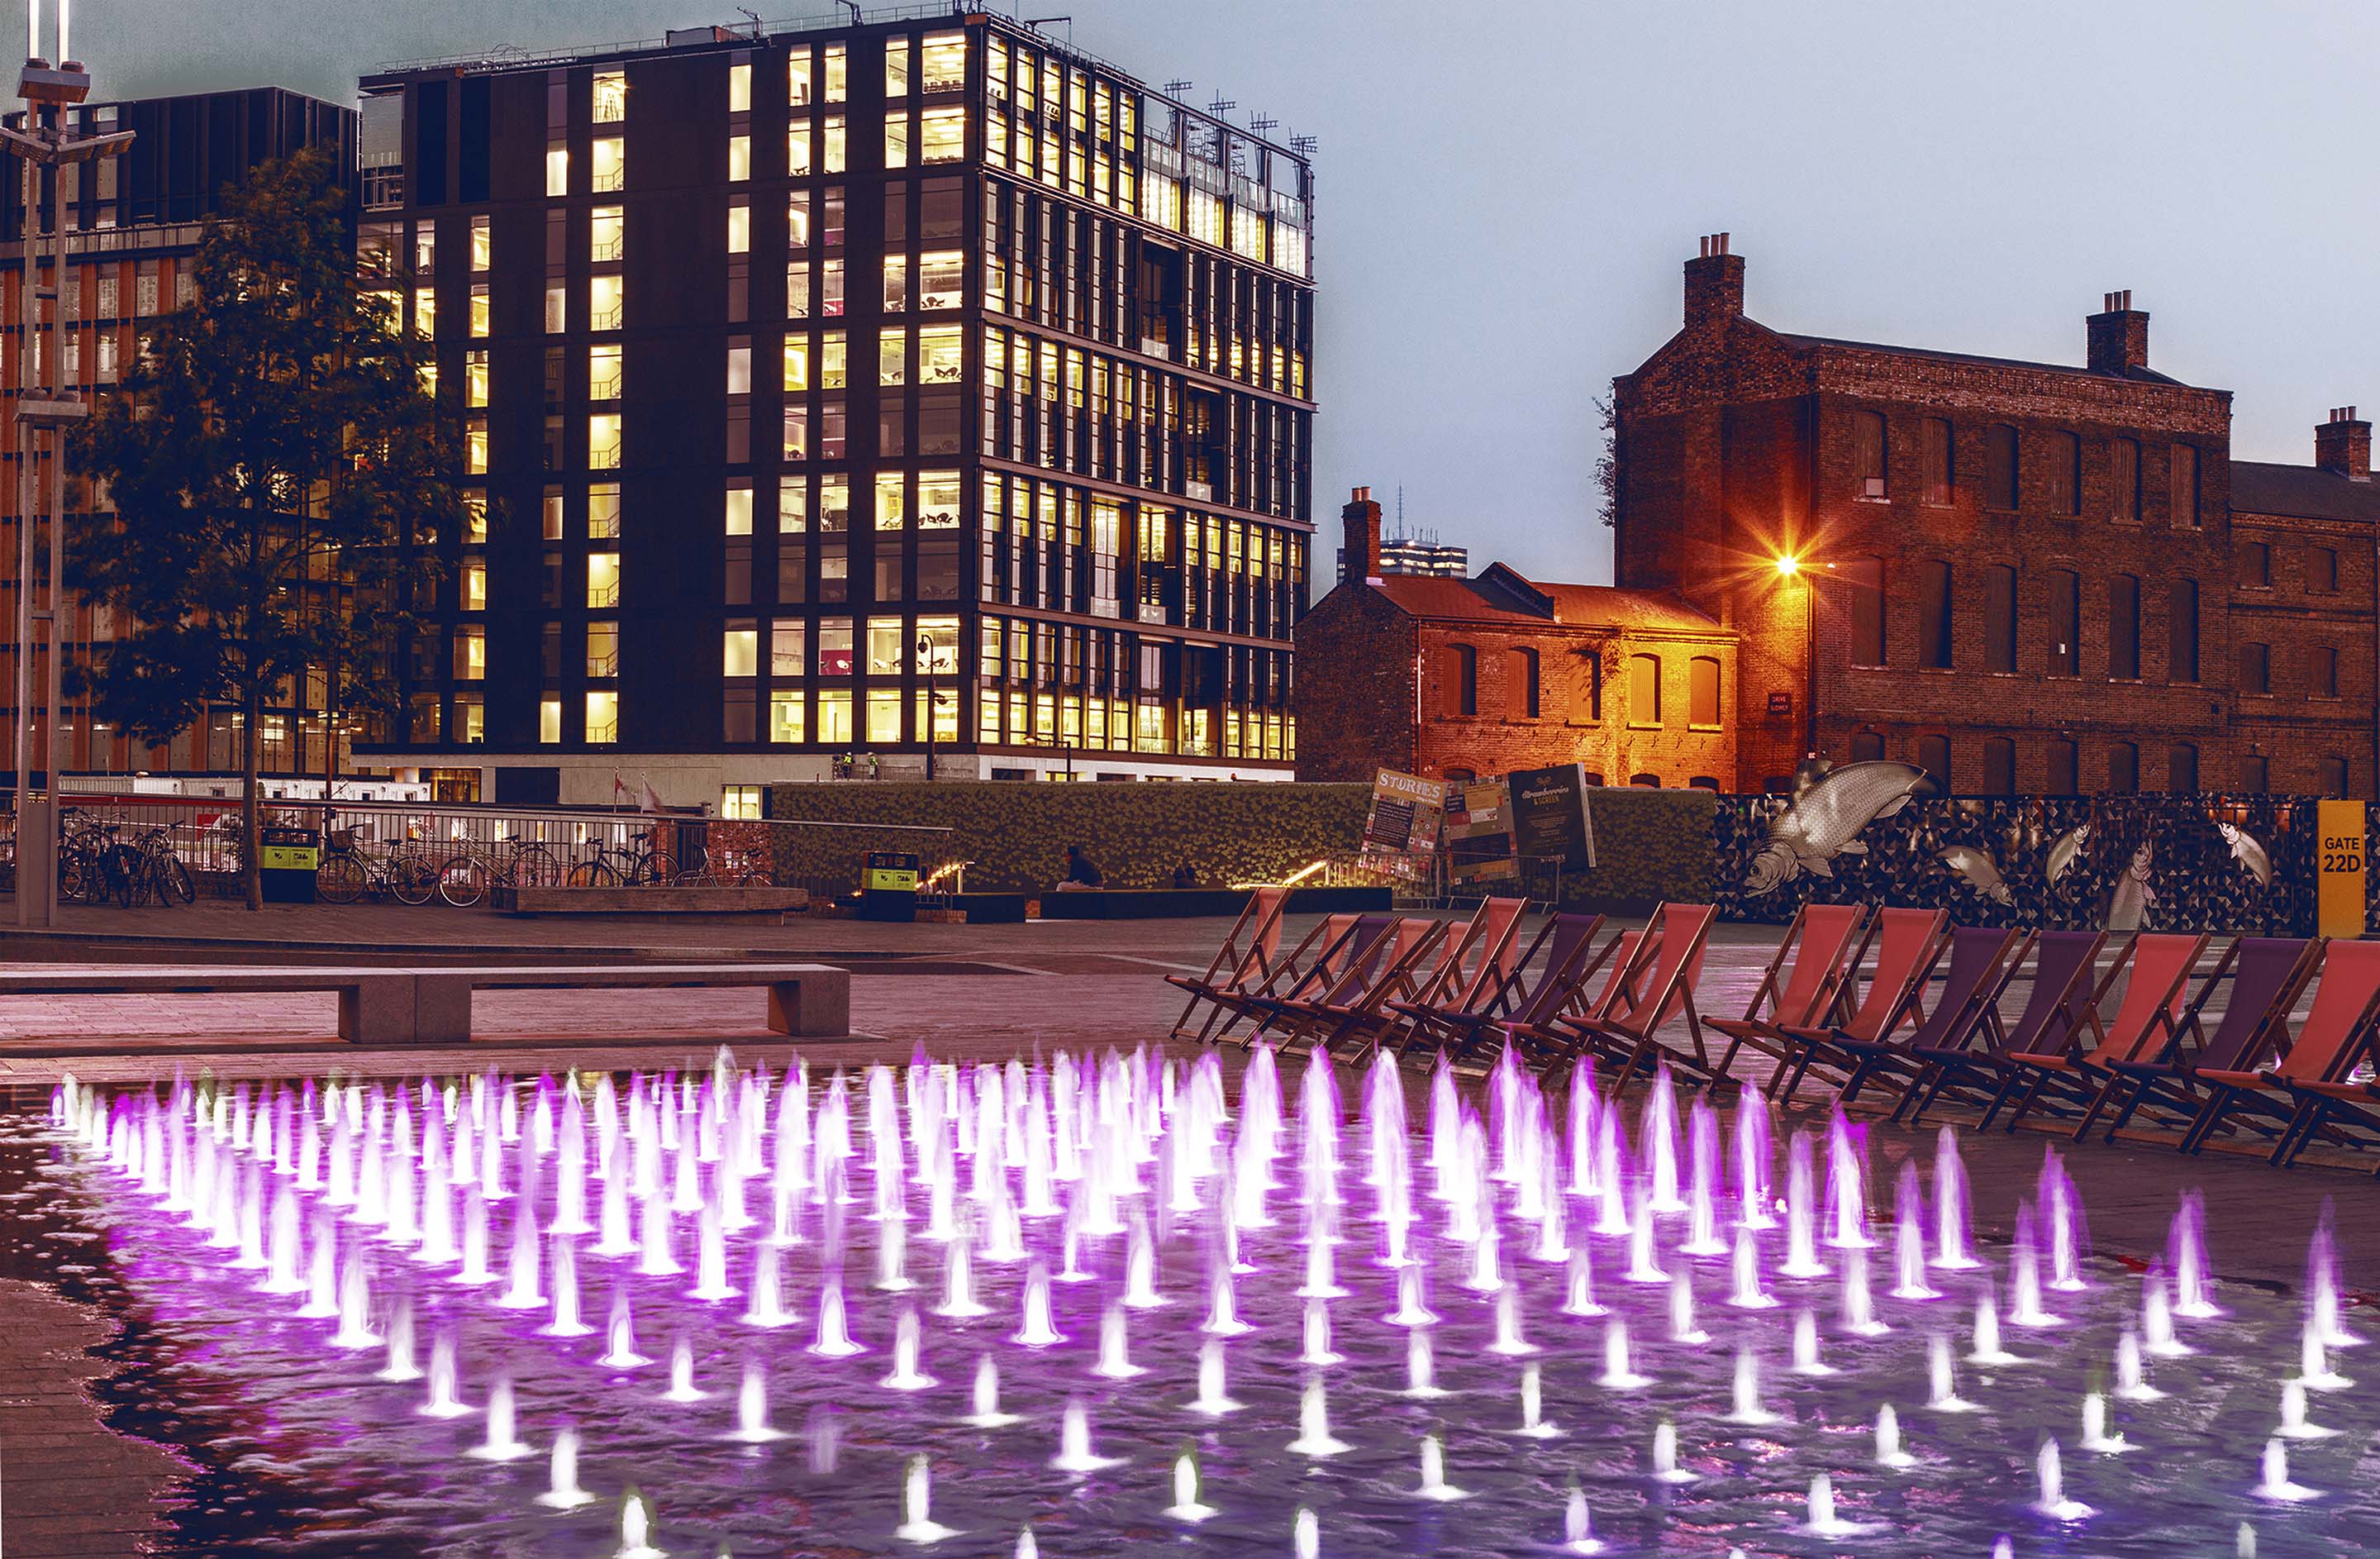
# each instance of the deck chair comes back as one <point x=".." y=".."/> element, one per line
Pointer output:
<point x="2337" y="1027"/>
<point x="2064" y="965"/>
<point x="1982" y="962"/>
<point x="1825" y="942"/>
<point x="1561" y="954"/>
<point x="1658" y="986"/>
<point x="1908" y="943"/>
<point x="1470" y="967"/>
<point x="1312" y="955"/>
<point x="1355" y="1005"/>
<point x="2342" y="1105"/>
<point x="1240" y="964"/>
<point x="2146" y="1024"/>
<point x="1343" y="966"/>
<point x="2265" y="976"/>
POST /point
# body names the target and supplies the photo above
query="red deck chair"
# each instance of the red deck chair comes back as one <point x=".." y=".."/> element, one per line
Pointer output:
<point x="1543" y="1035"/>
<point x="1470" y="968"/>
<point x="1825" y="942"/>
<point x="2064" y="967"/>
<point x="1561" y="954"/>
<point x="1240" y="964"/>
<point x="1356" y="1003"/>
<point x="1343" y="968"/>
<point x="2261" y="978"/>
<point x="1982" y="962"/>
<point x="1657" y="987"/>
<point x="2338" y="1027"/>
<point x="1909" y="943"/>
<point x="2147" y="1024"/>
<point x="1290" y="972"/>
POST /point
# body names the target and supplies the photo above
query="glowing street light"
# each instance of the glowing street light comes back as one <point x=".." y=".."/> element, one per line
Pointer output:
<point x="1787" y="566"/>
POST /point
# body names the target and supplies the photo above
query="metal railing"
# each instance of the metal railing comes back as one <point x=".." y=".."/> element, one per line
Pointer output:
<point x="503" y="845"/>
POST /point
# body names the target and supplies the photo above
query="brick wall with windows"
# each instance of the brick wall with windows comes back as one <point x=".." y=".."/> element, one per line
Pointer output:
<point x="2027" y="577"/>
<point x="1454" y="678"/>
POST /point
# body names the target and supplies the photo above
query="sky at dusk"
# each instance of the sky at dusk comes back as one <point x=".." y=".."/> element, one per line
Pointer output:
<point x="1505" y="195"/>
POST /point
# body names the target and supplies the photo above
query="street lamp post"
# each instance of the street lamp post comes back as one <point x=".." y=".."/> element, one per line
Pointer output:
<point x="933" y="699"/>
<point x="45" y="405"/>
<point x="1789" y="567"/>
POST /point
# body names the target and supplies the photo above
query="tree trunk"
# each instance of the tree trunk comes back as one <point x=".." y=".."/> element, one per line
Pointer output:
<point x="251" y="865"/>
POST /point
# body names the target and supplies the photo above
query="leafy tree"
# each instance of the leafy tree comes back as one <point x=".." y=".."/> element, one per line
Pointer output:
<point x="264" y="458"/>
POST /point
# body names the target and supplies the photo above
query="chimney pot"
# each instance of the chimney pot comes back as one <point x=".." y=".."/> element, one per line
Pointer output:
<point x="1714" y="282"/>
<point x="1361" y="557"/>
<point x="2342" y="446"/>
<point x="2117" y="338"/>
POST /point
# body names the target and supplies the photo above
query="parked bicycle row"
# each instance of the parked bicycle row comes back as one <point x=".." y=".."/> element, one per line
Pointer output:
<point x="104" y="860"/>
<point x="463" y="872"/>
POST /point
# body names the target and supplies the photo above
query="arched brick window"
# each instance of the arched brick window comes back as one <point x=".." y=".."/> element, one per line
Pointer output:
<point x="1644" y="691"/>
<point x="1702" y="692"/>
<point x="1521" y="683"/>
<point x="1461" y="679"/>
<point x="1868" y="444"/>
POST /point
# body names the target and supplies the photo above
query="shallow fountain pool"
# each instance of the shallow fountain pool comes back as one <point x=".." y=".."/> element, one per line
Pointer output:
<point x="1098" y="1308"/>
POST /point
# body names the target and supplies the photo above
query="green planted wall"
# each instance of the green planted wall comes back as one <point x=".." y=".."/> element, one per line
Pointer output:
<point x="1016" y="833"/>
<point x="1650" y="845"/>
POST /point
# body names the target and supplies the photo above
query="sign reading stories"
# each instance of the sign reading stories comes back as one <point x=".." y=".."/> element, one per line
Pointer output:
<point x="1479" y="832"/>
<point x="1401" y="830"/>
<point x="1549" y="816"/>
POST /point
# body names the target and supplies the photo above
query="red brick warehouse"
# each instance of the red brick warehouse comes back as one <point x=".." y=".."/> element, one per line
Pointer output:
<point x="2024" y="577"/>
<point x="1455" y="678"/>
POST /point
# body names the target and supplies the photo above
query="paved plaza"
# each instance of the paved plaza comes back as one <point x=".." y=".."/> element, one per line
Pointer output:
<point x="981" y="993"/>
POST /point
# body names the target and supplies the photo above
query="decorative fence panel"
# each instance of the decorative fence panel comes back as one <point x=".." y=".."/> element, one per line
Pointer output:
<point x="2176" y="861"/>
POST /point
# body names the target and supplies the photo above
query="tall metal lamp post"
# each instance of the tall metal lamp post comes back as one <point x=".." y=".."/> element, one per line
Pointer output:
<point x="46" y="406"/>
<point x="1791" y="567"/>
<point x="933" y="699"/>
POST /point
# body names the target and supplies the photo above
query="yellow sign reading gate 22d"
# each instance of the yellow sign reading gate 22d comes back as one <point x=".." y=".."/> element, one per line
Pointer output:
<point x="2339" y="865"/>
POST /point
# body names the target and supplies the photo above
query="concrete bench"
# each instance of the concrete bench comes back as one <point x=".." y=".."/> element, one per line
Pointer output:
<point x="432" y="1006"/>
<point x="526" y="901"/>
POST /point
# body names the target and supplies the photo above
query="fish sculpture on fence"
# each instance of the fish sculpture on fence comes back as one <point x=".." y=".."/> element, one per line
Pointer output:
<point x="1831" y="809"/>
<point x="1980" y="872"/>
<point x="2128" y="905"/>
<point x="2247" y="852"/>
<point x="2067" y="851"/>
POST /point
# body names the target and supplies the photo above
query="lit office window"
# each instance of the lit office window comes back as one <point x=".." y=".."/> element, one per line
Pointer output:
<point x="941" y="135"/>
<point x="739" y="158"/>
<point x="739" y="508"/>
<point x="603" y="371"/>
<point x="740" y="803"/>
<point x="548" y="720"/>
<point x="603" y="441"/>
<point x="608" y="164"/>
<point x="470" y="653"/>
<point x="602" y="716"/>
<point x="939" y="272"/>
<point x="740" y="653"/>
<point x="739" y="88"/>
<point x="891" y="509"/>
<point x="786" y="714"/>
<point x="942" y="61"/>
<point x="607" y="231"/>
<point x="607" y="302"/>
<point x="892" y="356"/>
<point x="475" y="379"/>
<point x="739" y="228"/>
<point x="603" y="578"/>
<point x="481" y="255"/>
<point x="557" y="171"/>
<point x="896" y="139"/>
<point x="473" y="594"/>
<point x="602" y="510"/>
<point x="837" y="72"/>
<point x="611" y="97"/>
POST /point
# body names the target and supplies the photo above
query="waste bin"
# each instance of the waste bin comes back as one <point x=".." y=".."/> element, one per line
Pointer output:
<point x="286" y="861"/>
<point x="888" y="886"/>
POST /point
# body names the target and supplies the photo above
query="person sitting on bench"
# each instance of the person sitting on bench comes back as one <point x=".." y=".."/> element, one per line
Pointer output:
<point x="1082" y="871"/>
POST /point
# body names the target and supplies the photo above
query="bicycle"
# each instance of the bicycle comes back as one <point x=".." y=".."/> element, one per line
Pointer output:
<point x="154" y="867"/>
<point x="347" y="873"/>
<point x="466" y="879"/>
<point x="650" y="865"/>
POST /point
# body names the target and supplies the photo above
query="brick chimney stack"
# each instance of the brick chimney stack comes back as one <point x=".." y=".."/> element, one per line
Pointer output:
<point x="1362" y="558"/>
<point x="2343" y="446"/>
<point x="1714" y="282"/>
<point x="2118" y="338"/>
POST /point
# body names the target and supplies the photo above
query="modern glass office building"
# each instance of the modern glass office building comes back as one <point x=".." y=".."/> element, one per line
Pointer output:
<point x="839" y="400"/>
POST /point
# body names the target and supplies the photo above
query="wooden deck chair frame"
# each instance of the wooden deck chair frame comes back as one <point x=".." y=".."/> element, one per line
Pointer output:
<point x="1972" y="1071"/>
<point x="1322" y="1021"/>
<point x="1355" y="956"/>
<point x="1978" y="1007"/>
<point x="1767" y="1033"/>
<point x="2265" y="1091"/>
<point x="2048" y="1081"/>
<point x="1451" y="1030"/>
<point x="1470" y="968"/>
<point x="2139" y="1086"/>
<point x="1284" y="975"/>
<point x="1237" y="965"/>
<point x="1825" y="1047"/>
<point x="1537" y="1037"/>
<point x="1659" y="988"/>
